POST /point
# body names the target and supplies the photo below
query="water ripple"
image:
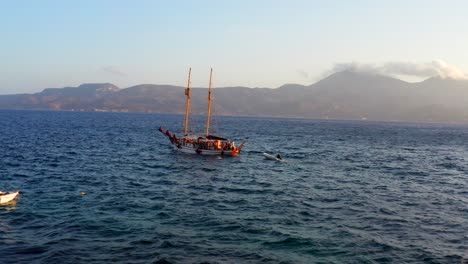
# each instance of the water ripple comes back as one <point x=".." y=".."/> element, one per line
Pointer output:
<point x="349" y="192"/>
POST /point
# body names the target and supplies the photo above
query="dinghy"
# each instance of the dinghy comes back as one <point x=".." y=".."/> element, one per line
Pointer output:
<point x="272" y="157"/>
<point x="5" y="197"/>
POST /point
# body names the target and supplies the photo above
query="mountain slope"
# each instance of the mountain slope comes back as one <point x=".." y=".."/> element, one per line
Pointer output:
<point x="343" y="95"/>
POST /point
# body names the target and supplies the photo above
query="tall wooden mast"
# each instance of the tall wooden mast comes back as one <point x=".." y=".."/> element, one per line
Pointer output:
<point x="187" y="103"/>
<point x="210" y="98"/>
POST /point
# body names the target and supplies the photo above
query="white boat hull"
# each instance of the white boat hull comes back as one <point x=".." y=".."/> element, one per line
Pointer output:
<point x="207" y="152"/>
<point x="5" y="198"/>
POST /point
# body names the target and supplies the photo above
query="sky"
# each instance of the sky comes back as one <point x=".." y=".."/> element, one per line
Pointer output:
<point x="254" y="43"/>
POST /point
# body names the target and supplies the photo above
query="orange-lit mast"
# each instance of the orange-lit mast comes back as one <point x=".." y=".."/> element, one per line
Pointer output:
<point x="187" y="104"/>
<point x="210" y="98"/>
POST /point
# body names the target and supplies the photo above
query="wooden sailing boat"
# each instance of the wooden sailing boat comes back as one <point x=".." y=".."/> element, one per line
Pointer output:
<point x="202" y="144"/>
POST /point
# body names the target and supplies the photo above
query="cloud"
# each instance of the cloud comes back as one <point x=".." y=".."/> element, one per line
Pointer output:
<point x="303" y="74"/>
<point x="446" y="70"/>
<point x="429" y="69"/>
<point x="356" y="67"/>
<point x="113" y="70"/>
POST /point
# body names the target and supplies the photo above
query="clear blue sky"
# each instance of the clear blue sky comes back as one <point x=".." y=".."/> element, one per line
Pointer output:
<point x="248" y="43"/>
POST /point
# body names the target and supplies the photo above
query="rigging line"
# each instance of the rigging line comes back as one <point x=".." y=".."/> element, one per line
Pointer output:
<point x="190" y="128"/>
<point x="215" y="118"/>
<point x="193" y="122"/>
<point x="187" y="103"/>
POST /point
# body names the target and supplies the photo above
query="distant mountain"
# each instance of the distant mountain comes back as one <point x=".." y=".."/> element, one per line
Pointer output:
<point x="343" y="95"/>
<point x="85" y="96"/>
<point x="84" y="90"/>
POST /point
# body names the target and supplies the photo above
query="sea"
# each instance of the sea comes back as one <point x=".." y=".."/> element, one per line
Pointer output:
<point x="109" y="188"/>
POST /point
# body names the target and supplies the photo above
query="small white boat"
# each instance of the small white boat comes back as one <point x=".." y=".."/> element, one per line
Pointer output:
<point x="5" y="197"/>
<point x="272" y="157"/>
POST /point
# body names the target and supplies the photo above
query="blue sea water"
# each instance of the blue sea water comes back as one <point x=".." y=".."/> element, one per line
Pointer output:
<point x="349" y="192"/>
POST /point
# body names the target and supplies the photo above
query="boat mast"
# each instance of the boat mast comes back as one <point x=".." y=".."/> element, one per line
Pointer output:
<point x="210" y="98"/>
<point x="187" y="103"/>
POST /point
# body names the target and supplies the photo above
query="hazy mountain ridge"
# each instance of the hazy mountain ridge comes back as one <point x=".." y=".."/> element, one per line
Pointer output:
<point x="343" y="95"/>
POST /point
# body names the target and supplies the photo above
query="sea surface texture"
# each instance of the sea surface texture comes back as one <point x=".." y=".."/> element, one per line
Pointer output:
<point x="348" y="192"/>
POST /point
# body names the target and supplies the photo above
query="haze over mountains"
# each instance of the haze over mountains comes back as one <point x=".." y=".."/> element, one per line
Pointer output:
<point x="342" y="95"/>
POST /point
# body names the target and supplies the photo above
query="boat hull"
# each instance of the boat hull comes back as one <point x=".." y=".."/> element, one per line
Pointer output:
<point x="5" y="198"/>
<point x="206" y="152"/>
